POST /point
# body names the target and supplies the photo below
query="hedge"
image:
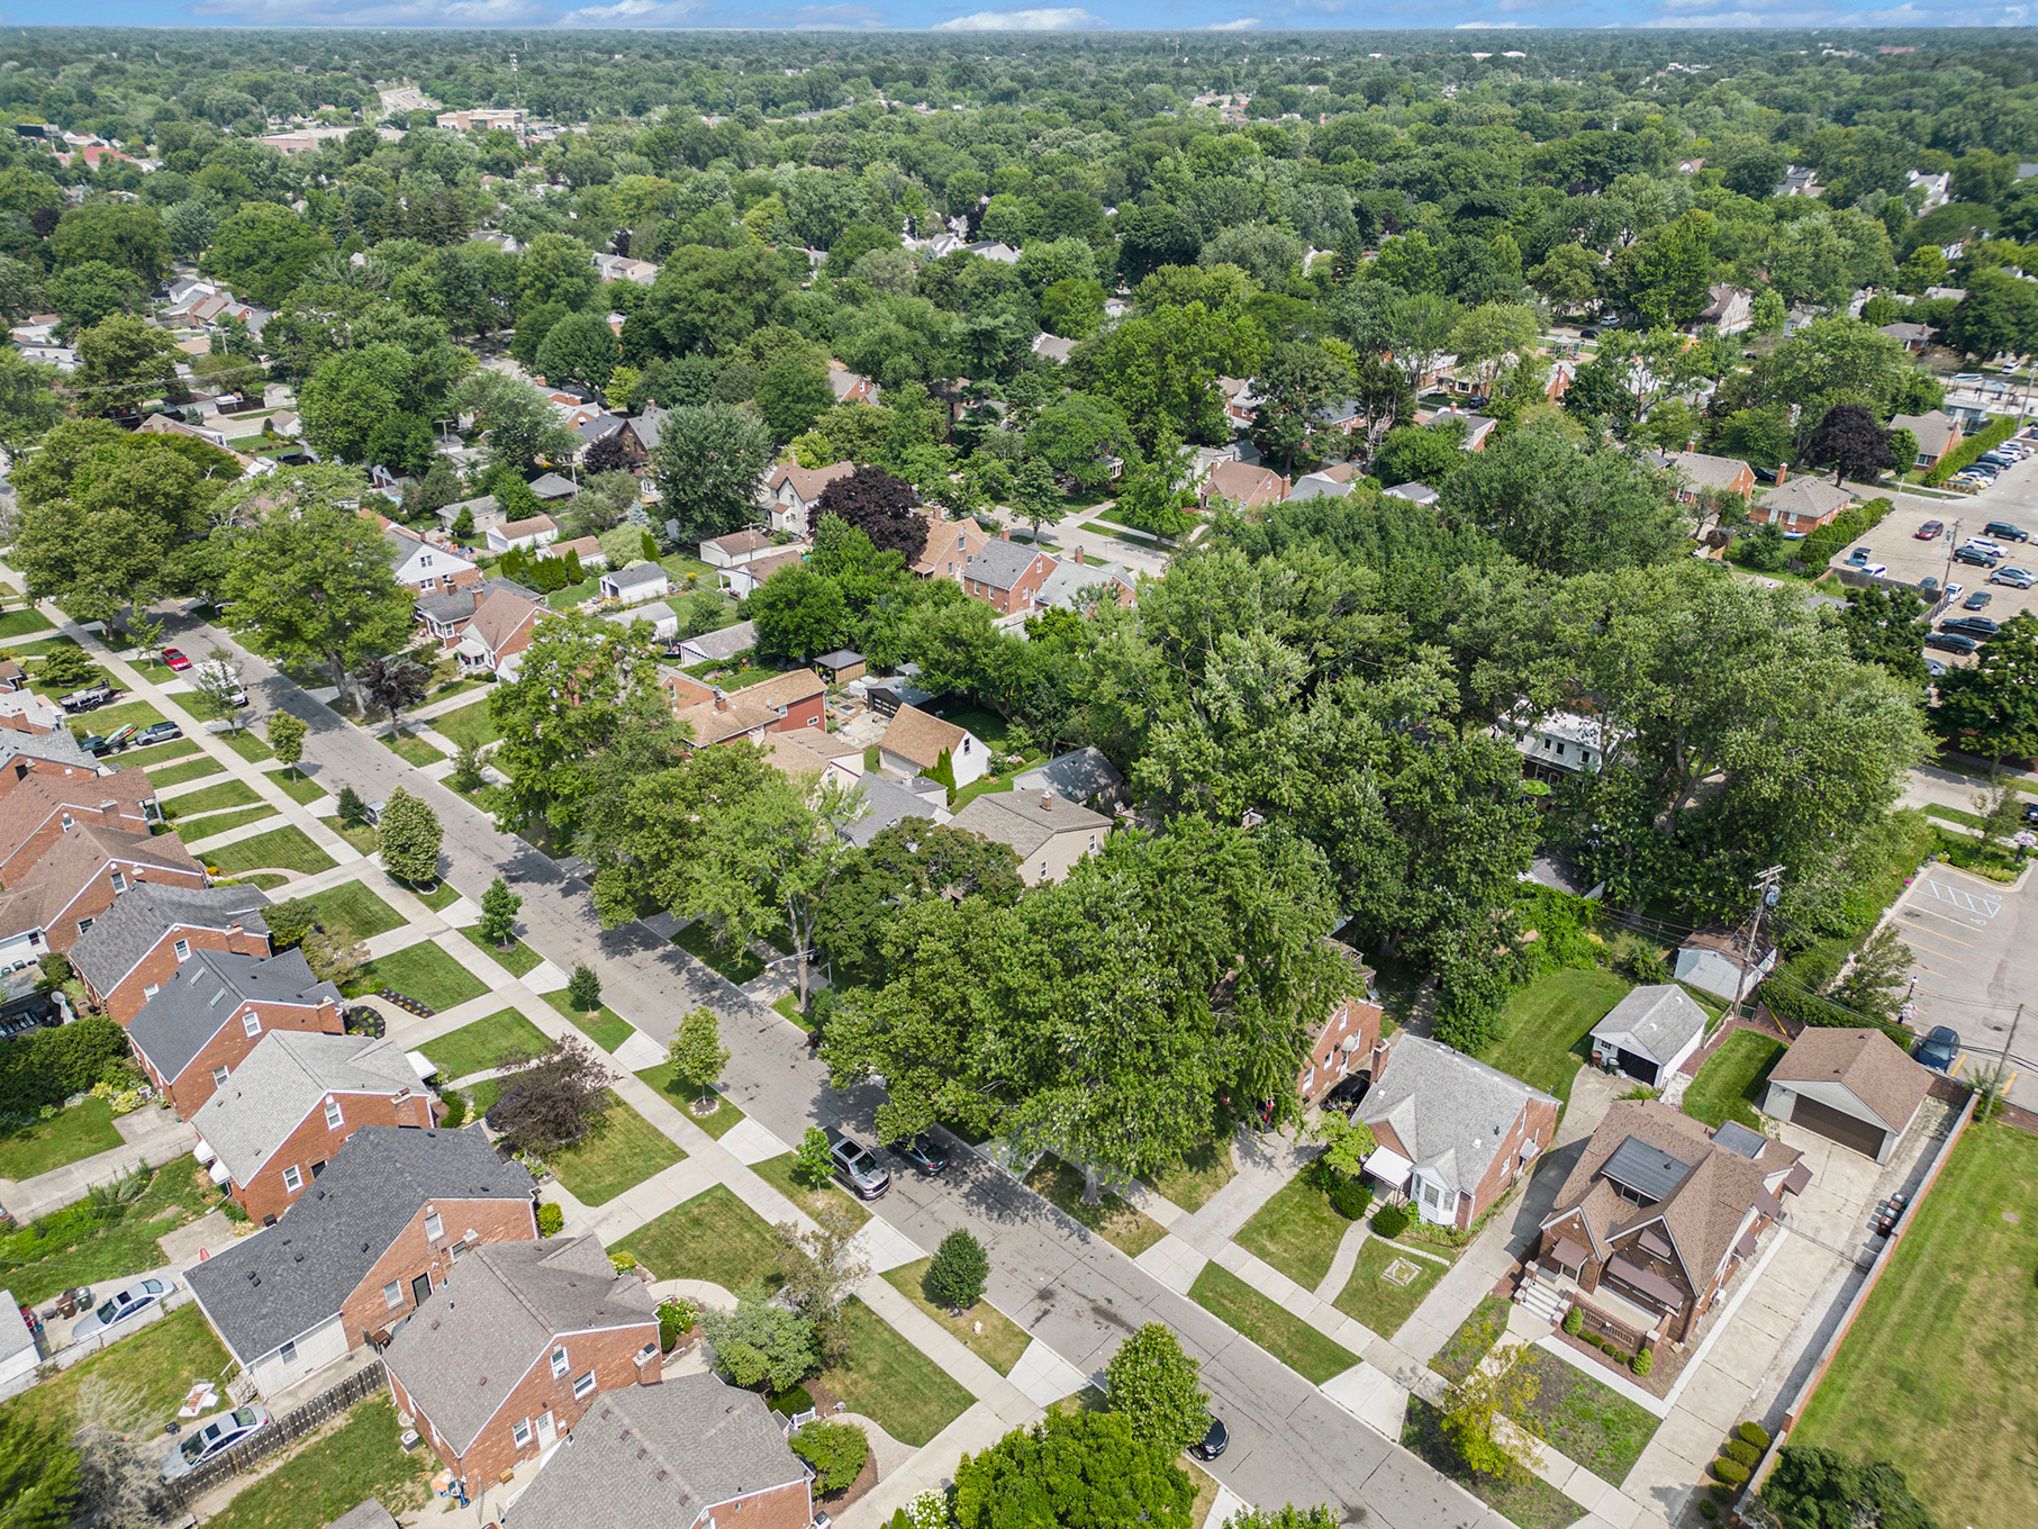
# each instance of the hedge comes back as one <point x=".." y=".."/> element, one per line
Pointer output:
<point x="1819" y="548"/>
<point x="48" y="1065"/>
<point x="1971" y="450"/>
<point x="1753" y="1433"/>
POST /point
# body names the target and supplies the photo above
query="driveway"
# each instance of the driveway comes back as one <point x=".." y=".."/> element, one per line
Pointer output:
<point x="1971" y="942"/>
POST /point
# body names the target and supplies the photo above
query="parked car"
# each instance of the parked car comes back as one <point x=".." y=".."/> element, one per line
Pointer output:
<point x="1858" y="556"/>
<point x="922" y="1153"/>
<point x="117" y="1308"/>
<point x="1215" y="1441"/>
<point x="157" y="732"/>
<point x="1936" y="667"/>
<point x="175" y="661"/>
<point x="1952" y="642"/>
<point x="1972" y="626"/>
<point x="1938" y="1050"/>
<point x="858" y="1167"/>
<point x="1978" y="557"/>
<point x="213" y="1438"/>
<point x="2005" y="531"/>
<point x="1929" y="587"/>
<point x="1931" y="530"/>
<point x="112" y="743"/>
<point x="1952" y="590"/>
<point x="1347" y="1095"/>
<point x="220" y="675"/>
<point x="1873" y="570"/>
<point x="2015" y="578"/>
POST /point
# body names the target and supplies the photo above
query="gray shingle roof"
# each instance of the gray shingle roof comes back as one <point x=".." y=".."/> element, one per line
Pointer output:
<point x="280" y="1283"/>
<point x="1653" y="1022"/>
<point x="659" y="1455"/>
<point x="455" y="606"/>
<point x="726" y="642"/>
<point x="203" y="994"/>
<point x="1070" y="580"/>
<point x="1027" y="819"/>
<point x="285" y="1078"/>
<point x="637" y="576"/>
<point x="886" y="804"/>
<point x="1450" y="1112"/>
<point x="138" y="921"/>
<point x="1001" y="564"/>
<point x="1080" y="775"/>
<point x="498" y="1312"/>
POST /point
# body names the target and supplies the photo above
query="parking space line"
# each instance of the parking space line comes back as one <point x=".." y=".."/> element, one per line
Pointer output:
<point x="1940" y="934"/>
<point x="1990" y="890"/>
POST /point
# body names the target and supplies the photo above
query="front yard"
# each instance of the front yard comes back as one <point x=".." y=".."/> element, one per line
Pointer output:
<point x="621" y="1151"/>
<point x="884" y="1377"/>
<point x="1587" y="1420"/>
<point x="360" y="1458"/>
<point x="472" y="724"/>
<point x="285" y="849"/>
<point x="1936" y="1375"/>
<point x="714" y="1236"/>
<point x="1296" y="1231"/>
<point x="65" y="1137"/>
<point x="1191" y="1182"/>
<point x="421" y="972"/>
<point x="1531" y="1504"/>
<point x="486" y="1044"/>
<point x="1386" y="1286"/>
<point x="1547" y="1022"/>
<point x="1732" y="1079"/>
<point x="353" y="911"/>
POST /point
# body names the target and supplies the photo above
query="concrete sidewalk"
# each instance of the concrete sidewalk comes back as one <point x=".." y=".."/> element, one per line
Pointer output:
<point x="151" y="1138"/>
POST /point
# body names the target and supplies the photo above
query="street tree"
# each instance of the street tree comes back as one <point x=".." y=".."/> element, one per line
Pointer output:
<point x="410" y="838"/>
<point x="1076" y="1470"/>
<point x="393" y="685"/>
<point x="1154" y="1385"/>
<point x="698" y="1055"/>
<point x="957" y="1273"/>
<point x="1036" y="494"/>
<point x="583" y="988"/>
<point x="286" y="733"/>
<point x="1503" y="1389"/>
<point x="1850" y="440"/>
<point x="819" y="1270"/>
<point x="812" y="1165"/>
<point x="499" y="907"/>
<point x="707" y="464"/>
<point x="1885" y="625"/>
<point x="218" y="680"/>
<point x="1159" y="493"/>
<point x="553" y="1099"/>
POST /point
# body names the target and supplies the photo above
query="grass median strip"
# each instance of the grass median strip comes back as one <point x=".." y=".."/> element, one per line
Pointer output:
<point x="999" y="1344"/>
<point x="1272" y="1326"/>
<point x="1119" y="1222"/>
<point x="517" y="960"/>
<point x="682" y="1097"/>
<point x="606" y="1028"/>
<point x="778" y="1173"/>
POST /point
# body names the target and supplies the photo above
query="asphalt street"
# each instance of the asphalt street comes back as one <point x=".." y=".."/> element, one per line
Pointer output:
<point x="1075" y="1292"/>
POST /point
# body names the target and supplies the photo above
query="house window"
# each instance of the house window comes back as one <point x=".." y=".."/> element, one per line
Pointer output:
<point x="584" y="1386"/>
<point x="68" y="824"/>
<point x="558" y="1361"/>
<point x="520" y="1431"/>
<point x="435" y="1227"/>
<point x="288" y="1353"/>
<point x="293" y="1178"/>
<point x="392" y="1294"/>
<point x="251" y="1022"/>
<point x="332" y="1114"/>
<point x="152" y="989"/>
<point x="119" y="883"/>
<point x="84" y="924"/>
<point x="219" y="1077"/>
<point x="183" y="950"/>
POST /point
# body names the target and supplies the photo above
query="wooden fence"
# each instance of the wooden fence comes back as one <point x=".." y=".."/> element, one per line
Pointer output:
<point x="289" y="1428"/>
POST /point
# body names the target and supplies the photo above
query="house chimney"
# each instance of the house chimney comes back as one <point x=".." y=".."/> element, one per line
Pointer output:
<point x="1079" y="554"/>
<point x="1004" y="533"/>
<point x="721" y="701"/>
<point x="1781" y="471"/>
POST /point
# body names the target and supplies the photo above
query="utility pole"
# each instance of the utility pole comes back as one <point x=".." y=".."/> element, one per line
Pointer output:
<point x="2003" y="1061"/>
<point x="1766" y="892"/>
<point x="1952" y="545"/>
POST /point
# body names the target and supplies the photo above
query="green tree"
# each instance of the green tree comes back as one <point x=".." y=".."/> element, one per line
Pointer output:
<point x="517" y="421"/>
<point x="1347" y="1143"/>
<point x="1990" y="707"/>
<point x="792" y="393"/>
<point x="1158" y="494"/>
<point x="218" y="681"/>
<point x="499" y="907"/>
<point x="38" y="1473"/>
<point x="124" y="234"/>
<point x="1822" y="1489"/>
<point x="1077" y="435"/>
<point x="583" y="988"/>
<point x="286" y="738"/>
<point x="1885" y="625"/>
<point x="1504" y="1387"/>
<point x="1079" y="1470"/>
<point x="698" y="1055"/>
<point x="29" y="403"/>
<point x="1417" y="454"/>
<point x="798" y="614"/>
<point x="263" y="251"/>
<point x="1300" y="381"/>
<point x="707" y="466"/>
<point x="123" y="363"/>
<point x="761" y="1343"/>
<point x="410" y="838"/>
<point x="812" y="1164"/>
<point x="579" y="348"/>
<point x="1568" y="278"/>
<point x="957" y="1273"/>
<point x="1153" y="1384"/>
<point x="1563" y="510"/>
<point x="1999" y="313"/>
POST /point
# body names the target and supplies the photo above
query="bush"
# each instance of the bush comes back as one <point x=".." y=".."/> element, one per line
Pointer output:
<point x="1350" y="1197"/>
<point x="456" y="1110"/>
<point x="1391" y="1220"/>
<point x="622" y="1262"/>
<point x="1718" y="1493"/>
<point x="1818" y="549"/>
<point x="233" y="1213"/>
<point x="676" y="1319"/>
<point x="1970" y="450"/>
<point x="1708" y="1509"/>
<point x="48" y="1065"/>
<point x="836" y="1451"/>
<point x="552" y="1220"/>
<point x="583" y="988"/>
<point x="1743" y="1451"/>
<point x="956" y="1275"/>
<point x="1562" y="924"/>
<point x="1574" y="1321"/>
<point x="1644" y="1362"/>
<point x="1731" y="1472"/>
<point x="1753" y="1433"/>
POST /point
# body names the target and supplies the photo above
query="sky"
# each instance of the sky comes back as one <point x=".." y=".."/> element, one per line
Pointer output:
<point x="966" y="16"/>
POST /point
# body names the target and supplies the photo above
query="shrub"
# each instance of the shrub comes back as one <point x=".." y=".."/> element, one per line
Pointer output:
<point x="233" y="1212"/>
<point x="48" y="1065"/>
<point x="456" y="1110"/>
<point x="1743" y="1451"/>
<point x="1644" y="1362"/>
<point x="583" y="988"/>
<point x="1971" y="450"/>
<point x="1391" y="1220"/>
<point x="1719" y="1493"/>
<point x="552" y="1221"/>
<point x="351" y="808"/>
<point x="1753" y="1433"/>
<point x="1350" y="1197"/>
<point x="1574" y="1321"/>
<point x="1732" y="1472"/>
<point x="956" y="1275"/>
<point x="1708" y="1509"/>
<point x="622" y="1262"/>
<point x="676" y="1318"/>
<point x="836" y="1451"/>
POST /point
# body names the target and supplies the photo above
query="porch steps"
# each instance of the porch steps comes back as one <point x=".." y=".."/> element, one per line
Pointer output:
<point x="1540" y="1300"/>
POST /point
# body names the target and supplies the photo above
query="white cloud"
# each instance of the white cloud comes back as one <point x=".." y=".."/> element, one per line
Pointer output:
<point x="1244" y="23"/>
<point x="630" y="13"/>
<point x="378" y="13"/>
<point x="1057" y="19"/>
<point x="1494" y="26"/>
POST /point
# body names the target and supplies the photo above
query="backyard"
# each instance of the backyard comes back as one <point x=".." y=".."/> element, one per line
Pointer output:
<point x="1936" y="1376"/>
<point x="1546" y="1026"/>
<point x="158" y="1364"/>
<point x="360" y="1458"/>
<point x="1731" y="1080"/>
<point x="102" y="1237"/>
<point x="40" y="1145"/>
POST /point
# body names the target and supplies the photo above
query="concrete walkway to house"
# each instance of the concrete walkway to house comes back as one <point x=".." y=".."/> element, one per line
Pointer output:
<point x="150" y="1137"/>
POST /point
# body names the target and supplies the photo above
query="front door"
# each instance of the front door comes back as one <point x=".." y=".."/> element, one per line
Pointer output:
<point x="545" y="1430"/>
<point x="420" y="1288"/>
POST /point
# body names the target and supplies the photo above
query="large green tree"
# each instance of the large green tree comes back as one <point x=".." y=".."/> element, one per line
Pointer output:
<point x="709" y="460"/>
<point x="1074" y="1470"/>
<point x="1990" y="707"/>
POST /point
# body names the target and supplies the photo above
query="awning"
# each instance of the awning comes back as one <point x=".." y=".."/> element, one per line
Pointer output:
<point x="203" y="1153"/>
<point x="1389" y="1167"/>
<point x="1638" y="1279"/>
<point x="219" y="1173"/>
<point x="422" y="1065"/>
<point x="1570" y="1254"/>
<point x="1799" y="1177"/>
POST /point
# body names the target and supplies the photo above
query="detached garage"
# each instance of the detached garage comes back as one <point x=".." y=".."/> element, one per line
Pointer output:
<point x="1855" y="1087"/>
<point x="1649" y="1033"/>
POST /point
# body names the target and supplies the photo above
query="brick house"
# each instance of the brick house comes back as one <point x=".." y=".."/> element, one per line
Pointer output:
<point x="77" y="878"/>
<point x="1007" y="576"/>
<point x="1346" y="1041"/>
<point x="423" y="567"/>
<point x="40" y="806"/>
<point x="133" y="948"/>
<point x="792" y="702"/>
<point x="361" y="1249"/>
<point x="686" y="1453"/>
<point x="1801" y="505"/>
<point x="1454" y="1134"/>
<point x="286" y="1111"/>
<point x="1659" y="1213"/>
<point x="213" y="1011"/>
<point x="1936" y="434"/>
<point x="949" y="547"/>
<point x="1698" y="470"/>
<point x="515" y="1348"/>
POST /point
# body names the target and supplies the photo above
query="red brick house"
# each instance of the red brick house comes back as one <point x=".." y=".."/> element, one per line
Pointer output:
<point x="1799" y="506"/>
<point x="76" y="880"/>
<point x="1658" y="1215"/>
<point x="285" y="1112"/>
<point x="1346" y="1041"/>
<point x="1698" y="470"/>
<point x="514" y="1349"/>
<point x="1007" y="576"/>
<point x="792" y="702"/>
<point x="361" y="1249"/>
<point x="40" y="805"/>
<point x="215" y="1009"/>
<point x="683" y="1454"/>
<point x="136" y="945"/>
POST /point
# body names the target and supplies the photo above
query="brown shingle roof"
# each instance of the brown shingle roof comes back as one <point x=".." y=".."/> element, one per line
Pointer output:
<point x="77" y="859"/>
<point x="1244" y="484"/>
<point x="807" y="482"/>
<point x="535" y="526"/>
<point x="783" y="690"/>
<point x="920" y="738"/>
<point x="1867" y="1063"/>
<point x="500" y="617"/>
<point x="29" y="801"/>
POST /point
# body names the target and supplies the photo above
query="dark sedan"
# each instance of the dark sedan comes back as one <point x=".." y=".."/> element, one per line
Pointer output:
<point x="921" y="1153"/>
<point x="1939" y="1049"/>
<point x="1213" y="1443"/>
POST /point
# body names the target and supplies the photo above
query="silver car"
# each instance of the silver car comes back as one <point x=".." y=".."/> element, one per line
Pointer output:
<point x="117" y="1308"/>
<point x="212" y="1438"/>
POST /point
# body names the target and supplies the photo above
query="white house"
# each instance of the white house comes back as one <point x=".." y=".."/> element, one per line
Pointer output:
<point x="538" y="531"/>
<point x="424" y="568"/>
<point x="636" y="583"/>
<point x="791" y="492"/>
<point x="1560" y="740"/>
<point x="1649" y="1033"/>
<point x="917" y="742"/>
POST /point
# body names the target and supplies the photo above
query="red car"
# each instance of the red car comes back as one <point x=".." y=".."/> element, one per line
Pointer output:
<point x="177" y="661"/>
<point x="1930" y="530"/>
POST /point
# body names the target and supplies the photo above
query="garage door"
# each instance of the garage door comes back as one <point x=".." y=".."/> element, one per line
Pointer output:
<point x="1864" y="1136"/>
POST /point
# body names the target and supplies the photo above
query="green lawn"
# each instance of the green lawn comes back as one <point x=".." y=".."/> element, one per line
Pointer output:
<point x="680" y="1097"/>
<point x="107" y="718"/>
<point x="299" y="787"/>
<point x="282" y="849"/>
<point x="1936" y="1374"/>
<point x="65" y="1137"/>
<point x="248" y="746"/>
<point x="1296" y="1231"/>
<point x="1732" y="1079"/>
<point x="1587" y="1420"/>
<point x="485" y="1044"/>
<point x="1546" y="1025"/>
<point x="698" y="943"/>
<point x="1532" y="1503"/>
<point x="177" y="774"/>
<point x="1191" y="1182"/>
<point x="885" y="1378"/>
<point x="1273" y="1327"/>
<point x="1474" y="1339"/>
<point x="422" y="972"/>
<point x="214" y="798"/>
<point x="467" y="725"/>
<point x="410" y="749"/>
<point x="517" y="960"/>
<point x="198" y="830"/>
<point x="620" y="1152"/>
<point x="21" y="621"/>
<point x="85" y="1243"/>
<point x="160" y="754"/>
<point x="1000" y="1343"/>
<point x="1371" y="1298"/>
<point x="361" y="1458"/>
<point x="714" y="1236"/>
<point x="159" y="1364"/>
<point x="778" y="1173"/>
<point x="1119" y="1222"/>
<point x="353" y="911"/>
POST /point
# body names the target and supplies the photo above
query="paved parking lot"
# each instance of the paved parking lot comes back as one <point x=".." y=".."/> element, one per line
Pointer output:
<point x="1970" y="943"/>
